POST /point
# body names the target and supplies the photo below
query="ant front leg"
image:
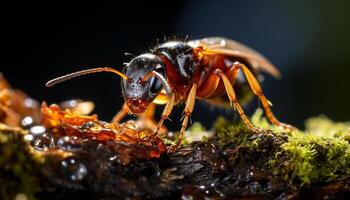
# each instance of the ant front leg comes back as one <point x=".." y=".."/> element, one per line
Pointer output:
<point x="256" y="88"/>
<point x="187" y="112"/>
<point x="166" y="112"/>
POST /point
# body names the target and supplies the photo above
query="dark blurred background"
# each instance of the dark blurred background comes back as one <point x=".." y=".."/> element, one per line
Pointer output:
<point x="307" y="40"/>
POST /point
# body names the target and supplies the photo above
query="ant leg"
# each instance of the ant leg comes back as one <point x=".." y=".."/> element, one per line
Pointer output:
<point x="121" y="114"/>
<point x="232" y="96"/>
<point x="166" y="112"/>
<point x="257" y="90"/>
<point x="187" y="114"/>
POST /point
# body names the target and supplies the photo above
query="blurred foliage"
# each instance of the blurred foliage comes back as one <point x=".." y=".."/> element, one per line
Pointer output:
<point x="18" y="174"/>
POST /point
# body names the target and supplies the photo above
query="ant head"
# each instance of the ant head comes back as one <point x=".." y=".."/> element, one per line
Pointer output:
<point x="146" y="78"/>
<point x="143" y="79"/>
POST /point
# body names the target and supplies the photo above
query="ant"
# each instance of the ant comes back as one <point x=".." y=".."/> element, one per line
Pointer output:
<point x="180" y="71"/>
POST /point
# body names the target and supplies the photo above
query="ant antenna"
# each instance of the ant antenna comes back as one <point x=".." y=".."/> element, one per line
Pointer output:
<point x="84" y="72"/>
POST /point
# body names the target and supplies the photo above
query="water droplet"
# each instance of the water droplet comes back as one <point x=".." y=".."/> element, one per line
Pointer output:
<point x="158" y="173"/>
<point x="29" y="138"/>
<point x="27" y="122"/>
<point x="222" y="167"/>
<point x="113" y="157"/>
<point x="254" y="187"/>
<point x="92" y="126"/>
<point x="30" y="103"/>
<point x="37" y="130"/>
<point x="43" y="142"/>
<point x="88" y="125"/>
<point x="73" y="169"/>
<point x="68" y="143"/>
<point x="70" y="103"/>
<point x="171" y="134"/>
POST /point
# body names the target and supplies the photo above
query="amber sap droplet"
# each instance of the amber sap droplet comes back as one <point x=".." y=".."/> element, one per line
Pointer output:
<point x="43" y="142"/>
<point x="73" y="169"/>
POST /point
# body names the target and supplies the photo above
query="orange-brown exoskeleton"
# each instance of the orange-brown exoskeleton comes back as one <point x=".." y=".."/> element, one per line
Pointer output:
<point x="209" y="69"/>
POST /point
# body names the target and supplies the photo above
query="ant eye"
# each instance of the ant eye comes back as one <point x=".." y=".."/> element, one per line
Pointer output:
<point x="155" y="85"/>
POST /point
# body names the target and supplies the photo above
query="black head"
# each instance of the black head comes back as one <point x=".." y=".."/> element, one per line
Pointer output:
<point x="146" y="78"/>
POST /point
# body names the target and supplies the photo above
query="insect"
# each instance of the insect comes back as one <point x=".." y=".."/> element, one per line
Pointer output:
<point x="209" y="69"/>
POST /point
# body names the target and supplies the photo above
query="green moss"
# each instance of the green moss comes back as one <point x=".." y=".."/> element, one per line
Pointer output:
<point x="323" y="126"/>
<point x="319" y="154"/>
<point x="312" y="158"/>
<point x="235" y="133"/>
<point x="197" y="127"/>
<point x="17" y="167"/>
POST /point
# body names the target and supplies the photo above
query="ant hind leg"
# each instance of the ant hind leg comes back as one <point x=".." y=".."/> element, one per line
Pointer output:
<point x="257" y="90"/>
<point x="232" y="96"/>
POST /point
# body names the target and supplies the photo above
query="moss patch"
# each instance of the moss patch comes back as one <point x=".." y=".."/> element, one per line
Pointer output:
<point x="320" y="154"/>
<point x="230" y="132"/>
